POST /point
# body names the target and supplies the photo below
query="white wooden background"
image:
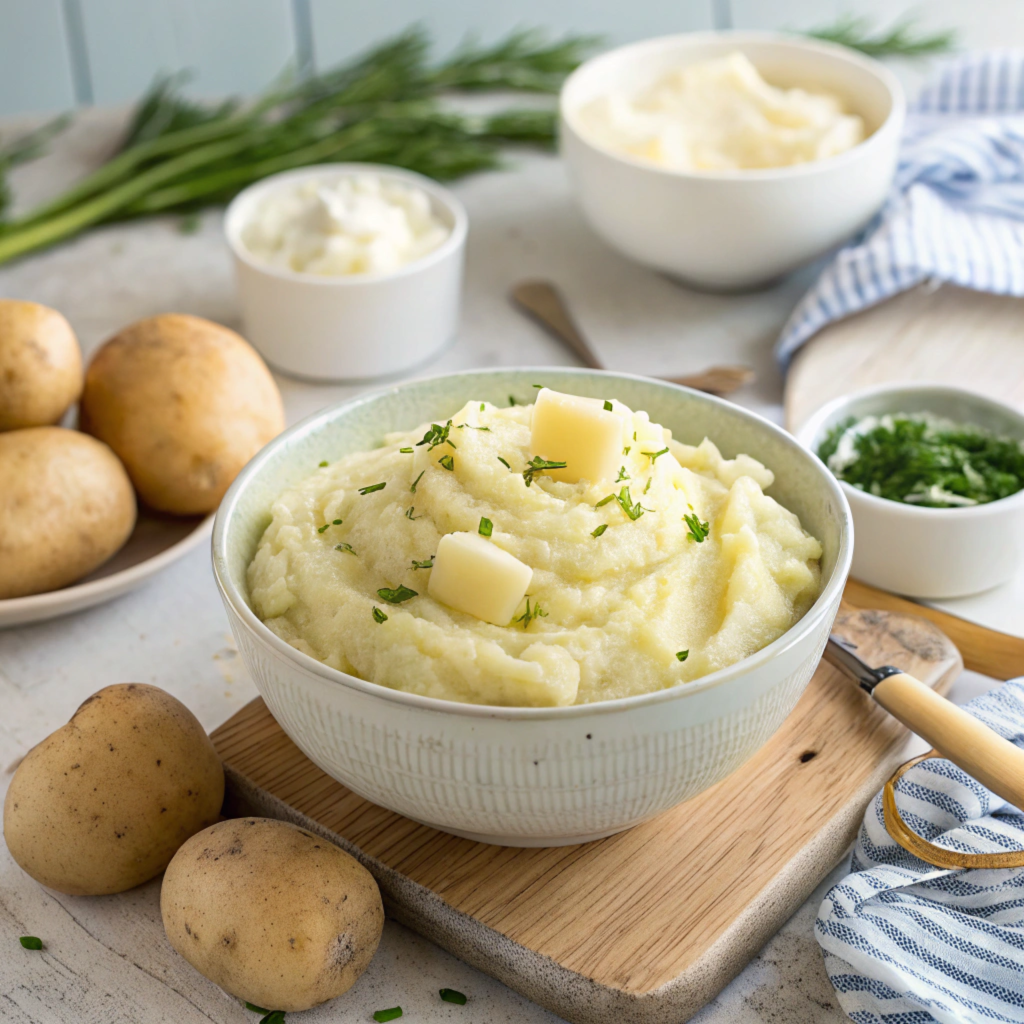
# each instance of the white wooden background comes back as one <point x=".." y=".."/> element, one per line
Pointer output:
<point x="56" y="54"/>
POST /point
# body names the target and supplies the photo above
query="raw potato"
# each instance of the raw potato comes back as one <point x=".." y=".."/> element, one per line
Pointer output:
<point x="271" y="913"/>
<point x="66" y="506"/>
<point x="185" y="403"/>
<point x="40" y="365"/>
<point x="102" y="804"/>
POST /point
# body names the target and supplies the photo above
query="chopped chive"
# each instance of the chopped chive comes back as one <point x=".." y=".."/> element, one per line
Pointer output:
<point x="427" y="563"/>
<point x="530" y="614"/>
<point x="634" y="435"/>
<point x="623" y="475"/>
<point x="409" y="513"/>
<point x="607" y="405"/>
<point x="344" y="547"/>
<point x="373" y="487"/>
<point x="626" y="502"/>
<point x="682" y="655"/>
<point x="254" y="1008"/>
<point x="320" y="529"/>
<point x="504" y="463"/>
<point x="654" y="455"/>
<point x="448" y="462"/>
<point x="437" y="435"/>
<point x="486" y="526"/>
<point x="380" y="1016"/>
<point x="597" y="532"/>
<point x="378" y="615"/>
<point x="538" y="465"/>
<point x="449" y="995"/>
<point x="698" y="530"/>
<point x="324" y="463"/>
<point x="405" y="451"/>
<point x="512" y="401"/>
<point x="416" y="481"/>
<point x="538" y="385"/>
<point x="274" y="1017"/>
<point x="650" y="480"/>
<point x="31" y="942"/>
<point x="604" y="501"/>
<point x="482" y="404"/>
<point x="396" y="596"/>
<point x="462" y="426"/>
<point x="625" y="451"/>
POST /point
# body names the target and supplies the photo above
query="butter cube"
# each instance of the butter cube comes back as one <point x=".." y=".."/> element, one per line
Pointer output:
<point x="579" y="432"/>
<point x="473" y="575"/>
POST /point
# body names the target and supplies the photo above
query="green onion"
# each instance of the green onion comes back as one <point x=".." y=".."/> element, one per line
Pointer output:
<point x="448" y="462"/>
<point x="653" y="455"/>
<point x="486" y="526"/>
<point x="437" y="435"/>
<point x="373" y="487"/>
<point x="274" y="1017"/>
<point x="427" y="563"/>
<point x="504" y="463"/>
<point x="321" y="529"/>
<point x="682" y="655"/>
<point x="623" y="475"/>
<point x="604" y="501"/>
<point x="378" y="615"/>
<point x="625" y="451"/>
<point x="344" y="547"/>
<point x="538" y="465"/>
<point x="405" y="451"/>
<point x="599" y="530"/>
<point x="647" y="487"/>
<point x="396" y="596"/>
<point x="607" y="405"/>
<point x="698" y="530"/>
<point x="380" y="1016"/>
<point x="449" y="995"/>
<point x="409" y="513"/>
<point x="324" y="463"/>
<point x="255" y="1009"/>
<point x="482" y="404"/>
<point x="31" y="942"/>
<point x="530" y="614"/>
<point x="415" y="482"/>
<point x="626" y="503"/>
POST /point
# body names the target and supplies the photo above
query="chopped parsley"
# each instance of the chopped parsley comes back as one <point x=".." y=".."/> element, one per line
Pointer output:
<point x="682" y="655"/>
<point x="381" y="1016"/>
<point x="437" y="435"/>
<point x="504" y="463"/>
<point x="344" y="547"/>
<point x="599" y="530"/>
<point x="378" y="615"/>
<point x="448" y="462"/>
<point x="538" y="465"/>
<point x="415" y="482"/>
<point x="373" y="487"/>
<point x="530" y="614"/>
<point x="450" y="995"/>
<point x="405" y="451"/>
<point x="427" y="563"/>
<point x="323" y="463"/>
<point x="654" y="455"/>
<point x="482" y="404"/>
<point x="623" y="475"/>
<point x="409" y="513"/>
<point x="921" y="459"/>
<point x="396" y="596"/>
<point x="698" y="530"/>
<point x="486" y="527"/>
<point x="607" y="405"/>
<point x="31" y="942"/>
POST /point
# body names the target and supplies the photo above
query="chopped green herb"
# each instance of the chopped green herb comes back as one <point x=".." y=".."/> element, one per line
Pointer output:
<point x="538" y="465"/>
<point x="486" y="526"/>
<point x="405" y="451"/>
<point x="625" y="451"/>
<point x="274" y="1017"/>
<point x="530" y="614"/>
<point x="504" y="463"/>
<point x="538" y="385"/>
<point x="650" y="480"/>
<point x="607" y="405"/>
<point x="482" y="404"/>
<point x="512" y="401"/>
<point x="682" y="655"/>
<point x="31" y="942"/>
<point x="623" y="475"/>
<point x="599" y="530"/>
<point x="380" y="1016"/>
<point x="373" y="487"/>
<point x="448" y="462"/>
<point x="409" y="513"/>
<point x="396" y="596"/>
<point x="336" y="522"/>
<point x="320" y="529"/>
<point x="922" y="459"/>
<point x="449" y="995"/>
<point x="634" y="435"/>
<point x="255" y="1009"/>
<point x="344" y="547"/>
<point x="698" y="530"/>
<point x="437" y="435"/>
<point x="378" y="615"/>
<point x="604" y="501"/>
<point x="324" y="463"/>
<point x="462" y="426"/>
<point x="427" y="563"/>
<point x="654" y="455"/>
<point x="626" y="502"/>
<point x="415" y="482"/>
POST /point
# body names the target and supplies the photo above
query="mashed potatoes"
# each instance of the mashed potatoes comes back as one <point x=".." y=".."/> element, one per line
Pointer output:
<point x="635" y="607"/>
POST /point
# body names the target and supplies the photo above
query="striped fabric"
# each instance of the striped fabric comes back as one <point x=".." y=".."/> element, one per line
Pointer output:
<point x="956" y="212"/>
<point x="906" y="943"/>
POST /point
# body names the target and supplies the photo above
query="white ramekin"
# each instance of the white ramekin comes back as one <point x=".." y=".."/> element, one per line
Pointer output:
<point x="529" y="776"/>
<point x="734" y="229"/>
<point x="929" y="553"/>
<point x="354" y="327"/>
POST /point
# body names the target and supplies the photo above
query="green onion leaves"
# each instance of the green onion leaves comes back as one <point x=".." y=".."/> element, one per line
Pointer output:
<point x="373" y="487"/>
<point x="437" y="435"/>
<point x="530" y="614"/>
<point x="599" y="530"/>
<point x="698" y="530"/>
<point x="538" y="465"/>
<point x="486" y="527"/>
<point x="449" y="995"/>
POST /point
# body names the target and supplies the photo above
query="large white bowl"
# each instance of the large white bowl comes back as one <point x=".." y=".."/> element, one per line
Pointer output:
<point x="734" y="229"/>
<point x="354" y="327"/>
<point x="529" y="776"/>
<point x="929" y="553"/>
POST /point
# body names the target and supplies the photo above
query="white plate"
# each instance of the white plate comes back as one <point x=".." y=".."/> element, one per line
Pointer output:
<point x="155" y="543"/>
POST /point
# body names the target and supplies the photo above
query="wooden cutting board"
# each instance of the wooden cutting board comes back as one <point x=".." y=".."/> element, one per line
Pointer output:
<point x="648" y="925"/>
<point x="947" y="335"/>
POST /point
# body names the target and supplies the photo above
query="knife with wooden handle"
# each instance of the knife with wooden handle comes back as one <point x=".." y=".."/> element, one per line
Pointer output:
<point x="958" y="736"/>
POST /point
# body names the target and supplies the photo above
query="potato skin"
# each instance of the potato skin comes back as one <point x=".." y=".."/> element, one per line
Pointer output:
<point x="40" y="365"/>
<point x="103" y="803"/>
<point x="185" y="403"/>
<point x="272" y="913"/>
<point x="66" y="506"/>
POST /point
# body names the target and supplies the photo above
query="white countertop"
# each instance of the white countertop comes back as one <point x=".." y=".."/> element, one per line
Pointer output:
<point x="106" y="958"/>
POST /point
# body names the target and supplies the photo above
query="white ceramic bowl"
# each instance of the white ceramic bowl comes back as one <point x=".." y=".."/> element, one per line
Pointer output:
<point x="529" y="776"/>
<point x="734" y="229"/>
<point x="354" y="327"/>
<point x="929" y="552"/>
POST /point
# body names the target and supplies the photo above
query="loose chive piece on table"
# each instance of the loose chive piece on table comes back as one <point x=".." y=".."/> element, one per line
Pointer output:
<point x="254" y="1008"/>
<point x="396" y="596"/>
<point x="380" y="1016"/>
<point x="373" y="487"/>
<point x="682" y="655"/>
<point x="274" y="1017"/>
<point x="599" y="530"/>
<point x="405" y="451"/>
<point x="31" y="942"/>
<point x="450" y="995"/>
<point x="378" y="615"/>
<point x="486" y="527"/>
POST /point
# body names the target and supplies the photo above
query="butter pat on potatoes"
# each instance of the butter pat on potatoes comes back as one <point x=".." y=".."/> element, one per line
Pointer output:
<point x="475" y="576"/>
<point x="580" y="432"/>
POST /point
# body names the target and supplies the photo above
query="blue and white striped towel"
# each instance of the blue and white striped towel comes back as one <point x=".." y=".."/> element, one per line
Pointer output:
<point x="906" y="943"/>
<point x="956" y="212"/>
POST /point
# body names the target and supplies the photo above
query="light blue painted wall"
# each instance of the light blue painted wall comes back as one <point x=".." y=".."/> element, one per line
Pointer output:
<point x="35" y="65"/>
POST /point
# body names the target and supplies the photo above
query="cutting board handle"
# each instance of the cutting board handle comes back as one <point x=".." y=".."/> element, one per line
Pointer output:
<point x="957" y="735"/>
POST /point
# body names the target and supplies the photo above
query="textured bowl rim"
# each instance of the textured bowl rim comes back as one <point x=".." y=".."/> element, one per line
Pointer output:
<point x="267" y="638"/>
<point x="442" y="196"/>
<point x="694" y="40"/>
<point x="811" y="429"/>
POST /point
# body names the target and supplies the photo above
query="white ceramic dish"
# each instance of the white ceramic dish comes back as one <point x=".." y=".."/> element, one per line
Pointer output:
<point x="354" y="327"/>
<point x="529" y="776"/>
<point x="156" y="542"/>
<point x="734" y="229"/>
<point x="929" y="553"/>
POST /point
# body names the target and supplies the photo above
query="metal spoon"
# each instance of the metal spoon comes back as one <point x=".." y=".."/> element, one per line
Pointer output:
<point x="542" y="301"/>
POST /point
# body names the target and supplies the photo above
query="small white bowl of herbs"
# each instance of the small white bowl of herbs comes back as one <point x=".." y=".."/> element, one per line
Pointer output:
<point x="935" y="478"/>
